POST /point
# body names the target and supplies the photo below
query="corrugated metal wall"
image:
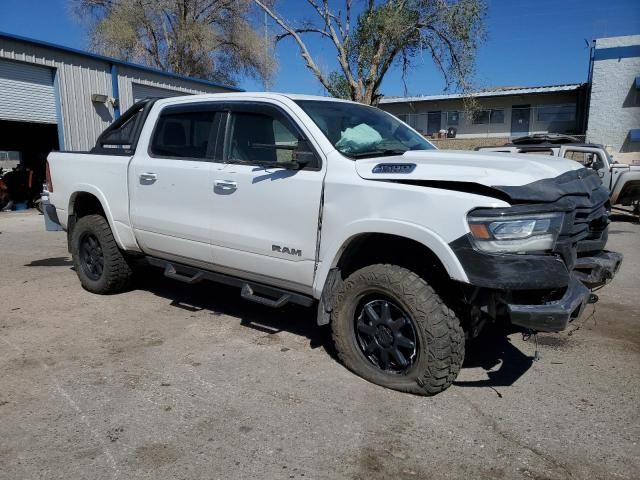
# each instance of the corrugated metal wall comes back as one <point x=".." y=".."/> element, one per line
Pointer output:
<point x="26" y="93"/>
<point x="128" y="76"/>
<point x="78" y="77"/>
<point x="140" y="92"/>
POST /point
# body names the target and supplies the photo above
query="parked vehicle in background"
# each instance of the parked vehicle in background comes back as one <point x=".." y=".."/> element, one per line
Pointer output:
<point x="4" y="191"/>
<point x="621" y="179"/>
<point x="404" y="249"/>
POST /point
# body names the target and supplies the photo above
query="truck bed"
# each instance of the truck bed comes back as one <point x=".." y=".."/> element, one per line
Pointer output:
<point x="105" y="176"/>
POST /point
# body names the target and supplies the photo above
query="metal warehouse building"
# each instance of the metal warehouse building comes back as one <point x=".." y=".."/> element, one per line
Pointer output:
<point x="58" y="98"/>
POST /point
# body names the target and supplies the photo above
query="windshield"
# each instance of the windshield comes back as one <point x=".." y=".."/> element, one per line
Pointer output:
<point x="360" y="131"/>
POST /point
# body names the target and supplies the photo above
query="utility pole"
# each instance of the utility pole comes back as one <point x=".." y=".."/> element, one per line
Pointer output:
<point x="266" y="50"/>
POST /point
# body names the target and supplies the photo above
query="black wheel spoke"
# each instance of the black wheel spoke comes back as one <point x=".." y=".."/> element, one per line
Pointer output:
<point x="385" y="314"/>
<point x="399" y="358"/>
<point x="371" y="347"/>
<point x="384" y="359"/>
<point x="371" y="313"/>
<point x="403" y="341"/>
<point x="365" y="328"/>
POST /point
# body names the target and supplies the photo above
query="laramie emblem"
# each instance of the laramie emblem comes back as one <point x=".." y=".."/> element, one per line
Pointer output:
<point x="287" y="250"/>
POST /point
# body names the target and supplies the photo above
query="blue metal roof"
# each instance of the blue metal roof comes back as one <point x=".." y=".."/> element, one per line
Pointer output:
<point x="634" y="135"/>
<point x="115" y="61"/>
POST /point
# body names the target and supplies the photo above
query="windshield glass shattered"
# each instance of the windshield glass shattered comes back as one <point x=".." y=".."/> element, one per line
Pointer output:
<point x="360" y="131"/>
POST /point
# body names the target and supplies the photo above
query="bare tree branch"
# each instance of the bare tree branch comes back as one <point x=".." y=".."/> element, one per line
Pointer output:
<point x="302" y="30"/>
<point x="371" y="38"/>
<point x="311" y="65"/>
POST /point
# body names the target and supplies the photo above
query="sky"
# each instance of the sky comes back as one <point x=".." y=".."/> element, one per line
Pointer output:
<point x="529" y="42"/>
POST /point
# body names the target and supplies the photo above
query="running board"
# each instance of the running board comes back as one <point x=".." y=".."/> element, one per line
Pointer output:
<point x="255" y="292"/>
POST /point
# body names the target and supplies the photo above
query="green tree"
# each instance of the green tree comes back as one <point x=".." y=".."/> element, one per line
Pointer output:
<point x="370" y="36"/>
<point x="211" y="39"/>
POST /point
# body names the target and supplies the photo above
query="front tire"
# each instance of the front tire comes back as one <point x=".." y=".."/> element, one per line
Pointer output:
<point x="100" y="265"/>
<point x="392" y="329"/>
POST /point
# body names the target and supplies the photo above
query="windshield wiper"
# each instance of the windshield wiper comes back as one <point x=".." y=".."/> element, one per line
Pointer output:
<point x="377" y="153"/>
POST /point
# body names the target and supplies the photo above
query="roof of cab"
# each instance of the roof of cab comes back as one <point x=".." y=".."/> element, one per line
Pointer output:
<point x="252" y="95"/>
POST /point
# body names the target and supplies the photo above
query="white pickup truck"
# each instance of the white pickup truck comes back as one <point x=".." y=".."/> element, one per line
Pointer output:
<point x="621" y="179"/>
<point x="404" y="249"/>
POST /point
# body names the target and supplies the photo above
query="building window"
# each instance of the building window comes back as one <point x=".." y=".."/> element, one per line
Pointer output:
<point x="453" y="118"/>
<point x="556" y="113"/>
<point x="494" y="115"/>
<point x="497" y="116"/>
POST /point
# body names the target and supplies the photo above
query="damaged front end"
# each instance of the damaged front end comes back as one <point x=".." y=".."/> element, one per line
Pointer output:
<point x="538" y="262"/>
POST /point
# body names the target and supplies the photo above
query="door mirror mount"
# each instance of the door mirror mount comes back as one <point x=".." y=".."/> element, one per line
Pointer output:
<point x="303" y="155"/>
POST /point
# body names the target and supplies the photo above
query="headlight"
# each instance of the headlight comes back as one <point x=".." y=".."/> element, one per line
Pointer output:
<point x="515" y="234"/>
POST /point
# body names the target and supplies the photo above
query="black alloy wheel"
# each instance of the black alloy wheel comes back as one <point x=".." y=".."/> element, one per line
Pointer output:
<point x="91" y="256"/>
<point x="386" y="335"/>
<point x="390" y="327"/>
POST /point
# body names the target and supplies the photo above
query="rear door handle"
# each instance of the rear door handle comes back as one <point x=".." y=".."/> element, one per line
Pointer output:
<point x="148" y="178"/>
<point x="225" y="185"/>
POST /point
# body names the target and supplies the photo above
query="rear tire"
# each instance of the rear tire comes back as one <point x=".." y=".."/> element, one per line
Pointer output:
<point x="100" y="265"/>
<point x="418" y="349"/>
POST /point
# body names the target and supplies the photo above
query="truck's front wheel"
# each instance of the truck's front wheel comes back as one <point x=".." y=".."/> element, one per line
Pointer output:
<point x="392" y="329"/>
<point x="99" y="263"/>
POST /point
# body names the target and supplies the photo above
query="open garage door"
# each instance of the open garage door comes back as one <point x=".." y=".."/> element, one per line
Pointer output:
<point x="140" y="92"/>
<point x="26" y="93"/>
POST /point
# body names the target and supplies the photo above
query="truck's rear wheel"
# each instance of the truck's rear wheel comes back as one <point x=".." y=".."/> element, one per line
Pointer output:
<point x="392" y="329"/>
<point x="100" y="265"/>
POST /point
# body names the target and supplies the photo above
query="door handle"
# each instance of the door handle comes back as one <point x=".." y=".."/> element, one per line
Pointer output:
<point x="148" y="178"/>
<point x="225" y="186"/>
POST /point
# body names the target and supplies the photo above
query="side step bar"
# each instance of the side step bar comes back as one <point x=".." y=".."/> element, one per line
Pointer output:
<point x="256" y="292"/>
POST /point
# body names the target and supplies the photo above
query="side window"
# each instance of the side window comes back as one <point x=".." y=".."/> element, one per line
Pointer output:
<point x="261" y="137"/>
<point x="539" y="152"/>
<point x="185" y="134"/>
<point x="588" y="159"/>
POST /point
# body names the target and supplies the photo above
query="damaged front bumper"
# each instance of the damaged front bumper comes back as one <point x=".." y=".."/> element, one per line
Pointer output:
<point x="597" y="270"/>
<point x="556" y="315"/>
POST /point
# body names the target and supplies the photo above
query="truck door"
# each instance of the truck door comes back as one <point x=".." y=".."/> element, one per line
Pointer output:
<point x="170" y="184"/>
<point x="265" y="209"/>
<point x="591" y="157"/>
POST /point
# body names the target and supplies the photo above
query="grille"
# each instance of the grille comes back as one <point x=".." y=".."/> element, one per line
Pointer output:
<point x="585" y="228"/>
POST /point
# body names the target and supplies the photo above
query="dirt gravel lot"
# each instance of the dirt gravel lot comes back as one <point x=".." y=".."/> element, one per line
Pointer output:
<point x="170" y="381"/>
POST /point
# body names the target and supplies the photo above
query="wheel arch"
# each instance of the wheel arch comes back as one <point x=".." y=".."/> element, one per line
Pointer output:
<point x="391" y="238"/>
<point x="88" y="200"/>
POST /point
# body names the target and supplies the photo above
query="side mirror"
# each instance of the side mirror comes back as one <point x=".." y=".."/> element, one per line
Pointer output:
<point x="303" y="155"/>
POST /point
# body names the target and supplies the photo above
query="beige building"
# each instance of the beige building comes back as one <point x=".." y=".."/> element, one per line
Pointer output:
<point x="500" y="113"/>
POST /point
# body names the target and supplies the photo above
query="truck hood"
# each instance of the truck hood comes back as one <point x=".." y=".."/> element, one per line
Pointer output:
<point x="516" y="178"/>
<point x="488" y="169"/>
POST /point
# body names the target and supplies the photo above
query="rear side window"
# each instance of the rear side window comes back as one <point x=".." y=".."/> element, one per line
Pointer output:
<point x="185" y="134"/>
